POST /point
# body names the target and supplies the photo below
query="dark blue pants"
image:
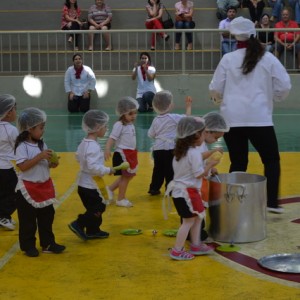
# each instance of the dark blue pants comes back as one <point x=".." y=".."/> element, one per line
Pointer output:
<point x="92" y="218"/>
<point x="8" y="182"/>
<point x="31" y="219"/>
<point x="162" y="170"/>
<point x="78" y="104"/>
<point x="145" y="103"/>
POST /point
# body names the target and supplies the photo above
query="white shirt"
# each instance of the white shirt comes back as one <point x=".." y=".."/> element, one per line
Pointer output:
<point x="144" y="86"/>
<point x="38" y="173"/>
<point x="86" y="82"/>
<point x="124" y="136"/>
<point x="248" y="99"/>
<point x="8" y="136"/>
<point x="91" y="159"/>
<point x="186" y="171"/>
<point x="184" y="9"/>
<point x="224" y="24"/>
<point x="163" y="130"/>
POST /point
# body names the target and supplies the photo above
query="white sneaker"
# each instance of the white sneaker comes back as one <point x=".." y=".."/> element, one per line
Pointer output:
<point x="110" y="193"/>
<point x="7" y="224"/>
<point x="124" y="203"/>
<point x="275" y="210"/>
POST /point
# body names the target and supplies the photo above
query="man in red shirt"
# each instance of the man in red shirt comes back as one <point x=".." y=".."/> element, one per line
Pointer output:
<point x="287" y="40"/>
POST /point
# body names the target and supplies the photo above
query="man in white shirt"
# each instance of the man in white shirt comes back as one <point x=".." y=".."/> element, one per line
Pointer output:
<point x="228" y="42"/>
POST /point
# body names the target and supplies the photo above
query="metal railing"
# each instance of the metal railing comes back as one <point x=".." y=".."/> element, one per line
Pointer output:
<point x="32" y="52"/>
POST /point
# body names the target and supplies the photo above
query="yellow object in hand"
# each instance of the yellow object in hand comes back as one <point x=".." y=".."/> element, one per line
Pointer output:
<point x="123" y="166"/>
<point x="216" y="156"/>
<point x="54" y="158"/>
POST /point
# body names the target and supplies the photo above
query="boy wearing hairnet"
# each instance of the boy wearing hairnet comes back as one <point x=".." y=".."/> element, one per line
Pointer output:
<point x="163" y="131"/>
<point x="91" y="159"/>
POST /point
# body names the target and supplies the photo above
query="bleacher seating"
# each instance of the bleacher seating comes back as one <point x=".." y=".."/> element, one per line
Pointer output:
<point x="46" y="15"/>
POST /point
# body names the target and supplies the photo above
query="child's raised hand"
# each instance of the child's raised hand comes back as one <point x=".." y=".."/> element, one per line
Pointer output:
<point x="188" y="105"/>
<point x="188" y="100"/>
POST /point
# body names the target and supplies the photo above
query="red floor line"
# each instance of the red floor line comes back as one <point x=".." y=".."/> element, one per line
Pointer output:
<point x="252" y="263"/>
<point x="289" y="200"/>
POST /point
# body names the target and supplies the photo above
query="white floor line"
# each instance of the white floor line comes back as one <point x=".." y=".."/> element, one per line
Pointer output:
<point x="15" y="247"/>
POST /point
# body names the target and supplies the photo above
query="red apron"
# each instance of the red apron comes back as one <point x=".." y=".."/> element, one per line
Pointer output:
<point x="195" y="203"/>
<point x="39" y="194"/>
<point x="131" y="157"/>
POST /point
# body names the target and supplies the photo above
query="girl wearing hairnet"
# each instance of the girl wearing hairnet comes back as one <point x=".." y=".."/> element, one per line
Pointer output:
<point x="123" y="138"/>
<point x="91" y="159"/>
<point x="188" y="172"/>
<point x="35" y="189"/>
<point x="8" y="177"/>
<point x="246" y="84"/>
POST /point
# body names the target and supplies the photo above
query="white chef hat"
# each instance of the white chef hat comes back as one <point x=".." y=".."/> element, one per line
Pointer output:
<point x="242" y="28"/>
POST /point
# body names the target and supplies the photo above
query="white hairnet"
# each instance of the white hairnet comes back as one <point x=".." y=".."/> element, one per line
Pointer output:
<point x="215" y="122"/>
<point x="93" y="120"/>
<point x="188" y="126"/>
<point x="242" y="28"/>
<point x="31" y="117"/>
<point x="7" y="102"/>
<point x="125" y="105"/>
<point x="162" y="101"/>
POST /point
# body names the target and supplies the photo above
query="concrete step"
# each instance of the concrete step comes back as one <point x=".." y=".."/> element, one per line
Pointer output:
<point x="35" y="20"/>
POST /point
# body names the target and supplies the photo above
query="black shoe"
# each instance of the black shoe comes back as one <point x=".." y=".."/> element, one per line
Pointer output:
<point x="77" y="230"/>
<point x="153" y="192"/>
<point x="98" y="235"/>
<point x="32" y="252"/>
<point x="54" y="248"/>
<point x="167" y="37"/>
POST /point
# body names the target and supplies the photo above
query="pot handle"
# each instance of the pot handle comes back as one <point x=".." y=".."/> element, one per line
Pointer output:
<point x="235" y="190"/>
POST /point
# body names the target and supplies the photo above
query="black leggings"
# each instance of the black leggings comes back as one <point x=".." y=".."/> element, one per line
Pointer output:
<point x="264" y="141"/>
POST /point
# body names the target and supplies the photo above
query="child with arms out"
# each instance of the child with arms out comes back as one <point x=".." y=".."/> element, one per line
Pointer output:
<point x="8" y="176"/>
<point x="91" y="159"/>
<point x="123" y="137"/>
<point x="35" y="189"/>
<point x="163" y="131"/>
<point x="189" y="170"/>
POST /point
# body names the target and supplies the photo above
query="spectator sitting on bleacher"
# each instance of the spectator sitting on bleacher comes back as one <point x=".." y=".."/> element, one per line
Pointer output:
<point x="277" y="6"/>
<point x="70" y="20"/>
<point x="228" y="42"/>
<point x="288" y="40"/>
<point x="223" y="7"/>
<point x="266" y="38"/>
<point x="184" y="11"/>
<point x="79" y="81"/>
<point x="256" y="8"/>
<point x="155" y="10"/>
<point x="99" y="17"/>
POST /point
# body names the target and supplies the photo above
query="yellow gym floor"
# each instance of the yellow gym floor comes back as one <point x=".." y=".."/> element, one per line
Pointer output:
<point x="138" y="267"/>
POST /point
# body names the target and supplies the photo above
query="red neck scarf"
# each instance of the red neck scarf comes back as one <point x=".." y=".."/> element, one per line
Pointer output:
<point x="242" y="44"/>
<point x="78" y="72"/>
<point x="144" y="72"/>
